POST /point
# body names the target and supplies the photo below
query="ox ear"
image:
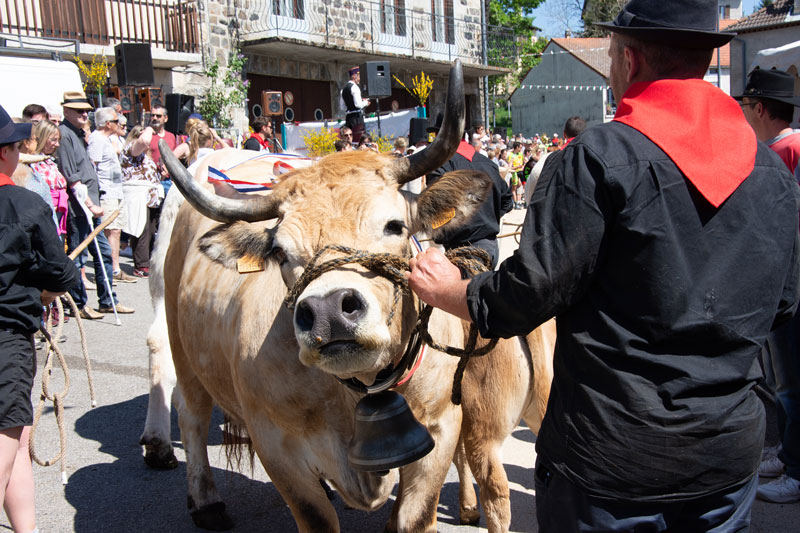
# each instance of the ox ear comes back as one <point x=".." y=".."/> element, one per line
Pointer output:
<point x="451" y="201"/>
<point x="228" y="243"/>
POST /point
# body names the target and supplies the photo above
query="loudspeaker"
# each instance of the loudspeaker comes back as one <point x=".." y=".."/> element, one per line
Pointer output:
<point x="150" y="97"/>
<point x="271" y="103"/>
<point x="125" y="95"/>
<point x="134" y="64"/>
<point x="376" y="79"/>
<point x="179" y="107"/>
<point x="416" y="130"/>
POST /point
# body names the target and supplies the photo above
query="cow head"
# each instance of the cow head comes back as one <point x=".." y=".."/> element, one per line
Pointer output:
<point x="347" y="321"/>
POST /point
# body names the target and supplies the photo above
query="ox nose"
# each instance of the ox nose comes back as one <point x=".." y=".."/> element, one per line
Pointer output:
<point x="333" y="317"/>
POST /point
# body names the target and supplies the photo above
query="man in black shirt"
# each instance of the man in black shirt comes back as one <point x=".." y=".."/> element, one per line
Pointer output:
<point x="33" y="271"/>
<point x="665" y="243"/>
<point x="481" y="231"/>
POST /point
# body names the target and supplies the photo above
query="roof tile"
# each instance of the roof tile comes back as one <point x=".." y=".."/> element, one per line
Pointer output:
<point x="773" y="15"/>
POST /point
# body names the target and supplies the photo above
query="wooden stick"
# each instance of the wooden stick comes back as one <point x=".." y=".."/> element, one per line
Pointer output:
<point x="88" y="240"/>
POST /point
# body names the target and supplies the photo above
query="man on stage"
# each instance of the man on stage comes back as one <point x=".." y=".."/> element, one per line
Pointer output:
<point x="351" y="94"/>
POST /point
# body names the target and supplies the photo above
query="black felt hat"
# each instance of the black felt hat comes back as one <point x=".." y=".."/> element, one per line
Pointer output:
<point x="678" y="23"/>
<point x="437" y="125"/>
<point x="11" y="132"/>
<point x="773" y="84"/>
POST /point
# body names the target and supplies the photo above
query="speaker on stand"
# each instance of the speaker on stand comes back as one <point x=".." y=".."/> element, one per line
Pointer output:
<point x="134" y="64"/>
<point x="179" y="108"/>
<point x="376" y="78"/>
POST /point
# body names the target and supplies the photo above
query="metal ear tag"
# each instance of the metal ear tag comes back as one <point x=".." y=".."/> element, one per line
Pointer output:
<point x="249" y="263"/>
<point x="444" y="218"/>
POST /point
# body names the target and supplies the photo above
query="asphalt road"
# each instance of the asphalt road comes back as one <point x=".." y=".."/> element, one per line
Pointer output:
<point x="110" y="489"/>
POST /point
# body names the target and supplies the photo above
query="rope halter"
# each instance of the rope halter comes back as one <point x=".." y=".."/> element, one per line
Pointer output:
<point x="469" y="259"/>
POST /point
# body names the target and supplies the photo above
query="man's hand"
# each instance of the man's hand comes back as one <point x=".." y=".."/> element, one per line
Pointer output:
<point x="49" y="297"/>
<point x="96" y="210"/>
<point x="438" y="282"/>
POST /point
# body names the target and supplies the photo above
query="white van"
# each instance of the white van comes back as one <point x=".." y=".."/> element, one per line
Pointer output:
<point x="34" y="80"/>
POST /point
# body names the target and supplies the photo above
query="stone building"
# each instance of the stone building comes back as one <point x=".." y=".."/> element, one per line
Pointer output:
<point x="301" y="48"/>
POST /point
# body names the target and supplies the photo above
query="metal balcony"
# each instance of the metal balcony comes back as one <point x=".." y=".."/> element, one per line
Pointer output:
<point x="168" y="24"/>
<point x="375" y="28"/>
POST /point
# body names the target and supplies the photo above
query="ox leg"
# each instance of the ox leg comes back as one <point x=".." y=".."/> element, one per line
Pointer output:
<point x="468" y="512"/>
<point x="156" y="437"/>
<point x="421" y="482"/>
<point x="194" y="417"/>
<point x="483" y="455"/>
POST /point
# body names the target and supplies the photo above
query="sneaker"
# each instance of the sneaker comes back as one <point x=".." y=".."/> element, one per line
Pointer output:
<point x="141" y="272"/>
<point x="785" y="489"/>
<point x="90" y="314"/>
<point x="771" y="467"/>
<point x="121" y="309"/>
<point x="124" y="277"/>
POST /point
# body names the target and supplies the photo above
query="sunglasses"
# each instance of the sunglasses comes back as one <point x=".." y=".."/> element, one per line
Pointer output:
<point x="157" y="116"/>
<point x="115" y="121"/>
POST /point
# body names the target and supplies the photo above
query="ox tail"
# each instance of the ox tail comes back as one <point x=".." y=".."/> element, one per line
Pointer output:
<point x="238" y="446"/>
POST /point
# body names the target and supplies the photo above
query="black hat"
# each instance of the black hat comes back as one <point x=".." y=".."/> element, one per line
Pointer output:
<point x="678" y="23"/>
<point x="10" y="132"/>
<point x="437" y="125"/>
<point x="773" y="84"/>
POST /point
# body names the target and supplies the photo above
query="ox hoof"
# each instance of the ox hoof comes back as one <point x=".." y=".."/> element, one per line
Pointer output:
<point x="212" y="517"/>
<point x="160" y="462"/>
<point x="469" y="516"/>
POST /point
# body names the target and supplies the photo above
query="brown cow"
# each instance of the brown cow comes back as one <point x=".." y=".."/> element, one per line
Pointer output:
<point x="275" y="372"/>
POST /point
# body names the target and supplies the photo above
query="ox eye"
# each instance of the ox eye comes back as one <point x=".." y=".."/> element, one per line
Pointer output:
<point x="279" y="255"/>
<point x="394" y="227"/>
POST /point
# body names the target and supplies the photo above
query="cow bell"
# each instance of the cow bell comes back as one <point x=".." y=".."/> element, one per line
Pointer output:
<point x="386" y="434"/>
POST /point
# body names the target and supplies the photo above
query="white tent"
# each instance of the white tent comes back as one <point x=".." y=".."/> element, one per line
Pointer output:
<point x="783" y="57"/>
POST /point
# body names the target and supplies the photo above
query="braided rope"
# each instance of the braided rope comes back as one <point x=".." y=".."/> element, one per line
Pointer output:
<point x="58" y="397"/>
<point x="469" y="259"/>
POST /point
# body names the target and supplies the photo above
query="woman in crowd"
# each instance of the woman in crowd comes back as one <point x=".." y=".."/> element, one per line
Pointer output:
<point x="141" y="186"/>
<point x="201" y="143"/>
<point x="182" y="150"/>
<point x="46" y="139"/>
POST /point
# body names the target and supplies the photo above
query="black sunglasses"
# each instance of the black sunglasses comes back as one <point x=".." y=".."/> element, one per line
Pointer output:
<point x="116" y="121"/>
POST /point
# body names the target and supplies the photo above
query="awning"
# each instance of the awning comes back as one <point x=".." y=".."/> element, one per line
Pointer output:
<point x="289" y="48"/>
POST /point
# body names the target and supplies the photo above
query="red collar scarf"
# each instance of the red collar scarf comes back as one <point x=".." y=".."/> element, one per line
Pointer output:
<point x="261" y="140"/>
<point x="466" y="149"/>
<point x="699" y="127"/>
<point x="5" y="180"/>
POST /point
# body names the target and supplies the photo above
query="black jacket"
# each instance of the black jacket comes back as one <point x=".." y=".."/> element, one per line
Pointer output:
<point x="32" y="258"/>
<point x="662" y="305"/>
<point x="485" y="224"/>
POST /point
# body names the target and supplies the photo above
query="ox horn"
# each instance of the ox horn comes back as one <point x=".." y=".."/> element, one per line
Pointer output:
<point x="215" y="207"/>
<point x="445" y="144"/>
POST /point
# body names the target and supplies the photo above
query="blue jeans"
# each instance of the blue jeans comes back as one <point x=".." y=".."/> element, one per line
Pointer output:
<point x="562" y="507"/>
<point x="783" y="350"/>
<point x="78" y="229"/>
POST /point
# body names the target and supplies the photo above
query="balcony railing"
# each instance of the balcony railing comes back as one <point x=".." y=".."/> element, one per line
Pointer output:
<point x="169" y="24"/>
<point x="377" y="27"/>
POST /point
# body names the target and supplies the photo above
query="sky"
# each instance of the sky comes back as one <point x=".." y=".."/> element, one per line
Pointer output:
<point x="551" y="28"/>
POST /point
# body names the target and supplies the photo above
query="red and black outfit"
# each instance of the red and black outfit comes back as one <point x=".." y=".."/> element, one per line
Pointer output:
<point x="666" y="262"/>
<point x="32" y="259"/>
<point x="257" y="143"/>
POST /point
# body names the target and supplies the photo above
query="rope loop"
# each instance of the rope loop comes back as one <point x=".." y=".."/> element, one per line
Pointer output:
<point x="469" y="259"/>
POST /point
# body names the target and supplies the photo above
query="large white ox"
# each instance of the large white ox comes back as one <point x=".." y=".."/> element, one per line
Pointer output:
<point x="274" y="372"/>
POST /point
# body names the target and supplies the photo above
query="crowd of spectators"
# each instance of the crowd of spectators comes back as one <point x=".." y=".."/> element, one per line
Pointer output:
<point x="87" y="164"/>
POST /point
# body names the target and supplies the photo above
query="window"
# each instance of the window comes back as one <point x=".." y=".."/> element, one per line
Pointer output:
<point x="393" y="17"/>
<point x="442" y="21"/>
<point x="288" y="8"/>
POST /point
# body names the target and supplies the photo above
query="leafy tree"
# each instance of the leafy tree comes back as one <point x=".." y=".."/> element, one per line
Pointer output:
<point x="599" y="11"/>
<point x="763" y="4"/>
<point x="519" y="52"/>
